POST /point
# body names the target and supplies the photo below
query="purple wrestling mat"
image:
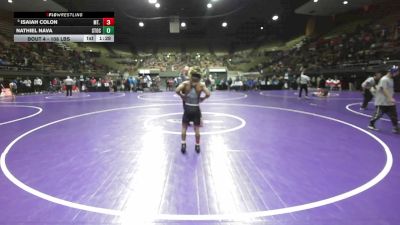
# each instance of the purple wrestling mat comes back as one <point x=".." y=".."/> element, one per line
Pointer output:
<point x="267" y="158"/>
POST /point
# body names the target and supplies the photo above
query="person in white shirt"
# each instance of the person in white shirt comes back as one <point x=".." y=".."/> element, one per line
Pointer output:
<point x="37" y="84"/>
<point x="212" y="83"/>
<point x="384" y="100"/>
<point x="304" y="82"/>
<point x="148" y="81"/>
<point x="28" y="84"/>
<point x="68" y="85"/>
<point x="237" y="84"/>
<point x="369" y="83"/>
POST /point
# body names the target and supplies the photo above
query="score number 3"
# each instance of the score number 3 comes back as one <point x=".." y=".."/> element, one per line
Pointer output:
<point x="108" y="21"/>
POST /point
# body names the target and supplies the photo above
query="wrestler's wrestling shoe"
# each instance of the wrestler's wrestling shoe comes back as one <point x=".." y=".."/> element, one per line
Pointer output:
<point x="183" y="148"/>
<point x="197" y="148"/>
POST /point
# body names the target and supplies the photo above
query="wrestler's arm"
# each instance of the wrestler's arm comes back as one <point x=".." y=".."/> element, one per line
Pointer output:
<point x="179" y="90"/>
<point x="206" y="91"/>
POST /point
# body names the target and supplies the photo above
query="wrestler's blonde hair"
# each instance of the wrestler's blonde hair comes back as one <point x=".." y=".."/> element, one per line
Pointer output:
<point x="195" y="70"/>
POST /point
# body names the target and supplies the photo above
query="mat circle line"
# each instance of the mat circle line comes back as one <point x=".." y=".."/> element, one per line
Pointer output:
<point x="262" y="93"/>
<point x="70" y="100"/>
<point x="40" y="110"/>
<point x="141" y="97"/>
<point x="244" y="216"/>
<point x="348" y="108"/>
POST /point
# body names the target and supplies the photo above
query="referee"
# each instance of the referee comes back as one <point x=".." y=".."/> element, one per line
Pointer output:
<point x="68" y="85"/>
<point x="304" y="81"/>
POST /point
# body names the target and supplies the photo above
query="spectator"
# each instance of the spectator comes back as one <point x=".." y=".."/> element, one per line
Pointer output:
<point x="37" y="84"/>
<point x="27" y="85"/>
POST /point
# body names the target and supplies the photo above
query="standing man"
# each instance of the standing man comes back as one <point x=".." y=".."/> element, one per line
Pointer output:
<point x="148" y="81"/>
<point x="229" y="83"/>
<point x="68" y="85"/>
<point x="130" y="82"/>
<point x="81" y="83"/>
<point x="384" y="100"/>
<point x="37" y="85"/>
<point x="366" y="86"/>
<point x="28" y="84"/>
<point x="190" y="92"/>
<point x="304" y="81"/>
<point x="212" y="82"/>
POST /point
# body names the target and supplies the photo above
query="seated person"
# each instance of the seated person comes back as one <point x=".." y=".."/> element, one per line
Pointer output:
<point x="237" y="84"/>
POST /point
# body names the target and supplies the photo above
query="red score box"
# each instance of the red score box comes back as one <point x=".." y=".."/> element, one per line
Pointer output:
<point x="108" y="21"/>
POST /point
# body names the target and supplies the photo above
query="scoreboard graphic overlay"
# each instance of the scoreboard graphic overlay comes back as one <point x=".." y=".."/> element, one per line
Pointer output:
<point x="64" y="26"/>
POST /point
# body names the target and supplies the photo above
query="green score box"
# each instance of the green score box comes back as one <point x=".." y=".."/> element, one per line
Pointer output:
<point x="108" y="30"/>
